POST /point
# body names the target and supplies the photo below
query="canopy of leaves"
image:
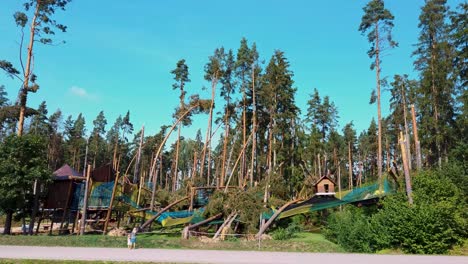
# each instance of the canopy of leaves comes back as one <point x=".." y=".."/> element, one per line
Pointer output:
<point x="22" y="162"/>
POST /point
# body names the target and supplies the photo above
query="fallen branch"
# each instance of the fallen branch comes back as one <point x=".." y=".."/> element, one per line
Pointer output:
<point x="147" y="223"/>
<point x="273" y="217"/>
<point x="185" y="232"/>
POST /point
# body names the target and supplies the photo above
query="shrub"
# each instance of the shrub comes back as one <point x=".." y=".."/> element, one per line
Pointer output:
<point x="435" y="223"/>
<point x="352" y="230"/>
<point x="286" y="233"/>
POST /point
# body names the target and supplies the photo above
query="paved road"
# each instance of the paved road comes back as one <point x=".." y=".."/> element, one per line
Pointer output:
<point x="213" y="256"/>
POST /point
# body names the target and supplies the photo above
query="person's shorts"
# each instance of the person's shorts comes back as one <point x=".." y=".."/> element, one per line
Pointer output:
<point x="133" y="240"/>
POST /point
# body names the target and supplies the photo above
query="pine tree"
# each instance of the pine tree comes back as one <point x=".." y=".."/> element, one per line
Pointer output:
<point x="41" y="28"/>
<point x="214" y="70"/>
<point x="96" y="141"/>
<point x="434" y="55"/>
<point x="226" y="91"/>
<point x="378" y="22"/>
<point x="39" y="124"/>
<point x="181" y="77"/>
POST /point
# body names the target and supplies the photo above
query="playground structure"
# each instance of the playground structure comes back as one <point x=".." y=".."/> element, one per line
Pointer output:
<point x="110" y="200"/>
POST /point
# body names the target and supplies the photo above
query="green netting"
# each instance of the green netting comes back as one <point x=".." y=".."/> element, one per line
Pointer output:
<point x="356" y="195"/>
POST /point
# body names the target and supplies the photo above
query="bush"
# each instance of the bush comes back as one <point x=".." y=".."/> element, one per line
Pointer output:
<point x="352" y="230"/>
<point x="286" y="233"/>
<point x="435" y="223"/>
<point x="432" y="225"/>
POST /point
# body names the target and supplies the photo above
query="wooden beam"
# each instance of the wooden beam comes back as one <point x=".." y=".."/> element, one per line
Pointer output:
<point x="111" y="203"/>
<point x="85" y="201"/>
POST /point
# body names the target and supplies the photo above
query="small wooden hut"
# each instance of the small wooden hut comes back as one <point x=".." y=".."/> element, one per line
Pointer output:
<point x="325" y="186"/>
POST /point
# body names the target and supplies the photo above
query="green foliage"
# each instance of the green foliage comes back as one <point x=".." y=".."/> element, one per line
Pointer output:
<point x="352" y="230"/>
<point x="22" y="161"/>
<point x="286" y="233"/>
<point x="247" y="204"/>
<point x="435" y="223"/>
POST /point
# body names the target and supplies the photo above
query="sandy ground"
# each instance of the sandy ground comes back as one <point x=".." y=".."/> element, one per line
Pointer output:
<point x="213" y="256"/>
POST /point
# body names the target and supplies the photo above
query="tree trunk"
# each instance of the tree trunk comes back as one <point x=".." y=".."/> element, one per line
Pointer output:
<point x="223" y="163"/>
<point x="244" y="135"/>
<point x="147" y="223"/>
<point x="27" y="73"/>
<point x="350" y="167"/>
<point x="406" y="127"/>
<point x="434" y="100"/>
<point x="264" y="227"/>
<point x="416" y="139"/>
<point x="152" y="174"/>
<point x="34" y="209"/>
<point x="379" y="114"/>
<point x="8" y="221"/>
<point x="235" y="165"/>
<point x="225" y="223"/>
<point x="208" y="132"/>
<point x="409" y="191"/>
<point x="254" y="129"/>
<point x="185" y="232"/>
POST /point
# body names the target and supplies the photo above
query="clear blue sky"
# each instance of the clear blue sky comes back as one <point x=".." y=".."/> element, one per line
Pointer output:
<point x="119" y="54"/>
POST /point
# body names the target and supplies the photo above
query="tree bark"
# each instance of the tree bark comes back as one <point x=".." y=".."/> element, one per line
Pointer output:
<point x="409" y="191"/>
<point x="416" y="139"/>
<point x="254" y="129"/>
<point x="185" y="232"/>
<point x="8" y="221"/>
<point x="264" y="227"/>
<point x="350" y="167"/>
<point x="379" y="114"/>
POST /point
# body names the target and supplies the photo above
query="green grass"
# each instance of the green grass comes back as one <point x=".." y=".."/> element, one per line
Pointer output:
<point x="461" y="250"/>
<point x="38" y="261"/>
<point x="303" y="242"/>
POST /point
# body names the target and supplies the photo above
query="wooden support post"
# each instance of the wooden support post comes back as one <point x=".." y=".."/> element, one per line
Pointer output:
<point x="417" y="145"/>
<point x="406" y="168"/>
<point x="52" y="222"/>
<point x="67" y="204"/>
<point x="111" y="203"/>
<point x="85" y="202"/>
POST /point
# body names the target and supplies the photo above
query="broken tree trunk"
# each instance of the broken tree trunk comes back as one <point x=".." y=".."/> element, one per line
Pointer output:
<point x="264" y="227"/>
<point x="416" y="140"/>
<point x="185" y="232"/>
<point x="406" y="168"/>
<point x="147" y="223"/>
<point x="228" y="220"/>
<point x="152" y="174"/>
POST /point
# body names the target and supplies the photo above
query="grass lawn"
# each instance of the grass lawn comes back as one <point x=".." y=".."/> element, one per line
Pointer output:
<point x="34" y="261"/>
<point x="303" y="242"/>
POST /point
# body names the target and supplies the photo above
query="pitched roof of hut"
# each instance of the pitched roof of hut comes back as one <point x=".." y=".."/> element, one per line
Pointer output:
<point x="323" y="178"/>
<point x="66" y="173"/>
